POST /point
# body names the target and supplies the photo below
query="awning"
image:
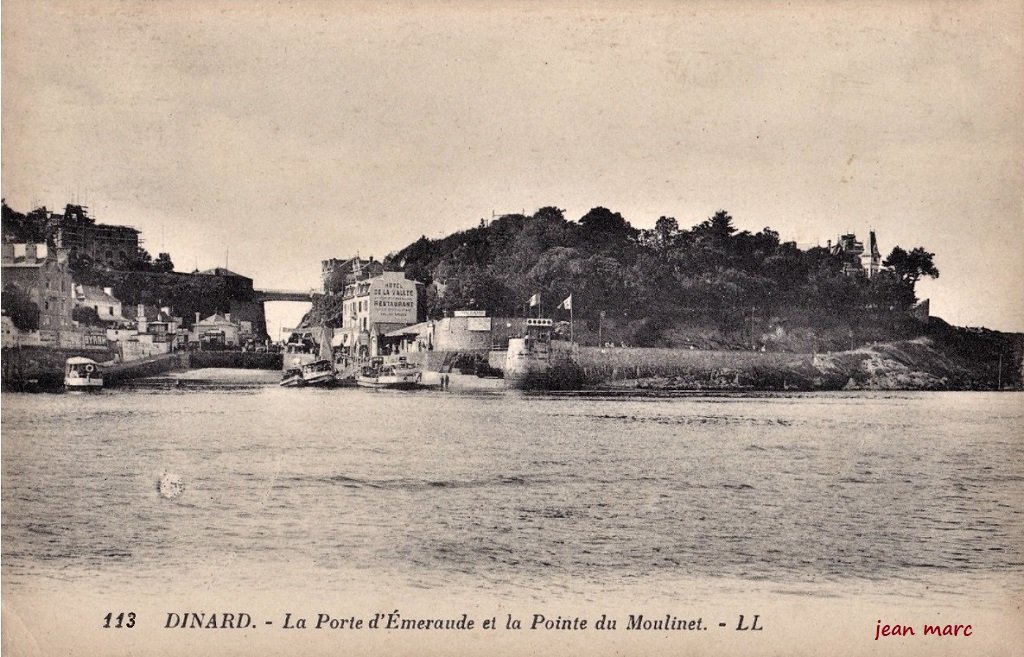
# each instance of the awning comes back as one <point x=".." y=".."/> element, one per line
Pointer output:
<point x="414" y="330"/>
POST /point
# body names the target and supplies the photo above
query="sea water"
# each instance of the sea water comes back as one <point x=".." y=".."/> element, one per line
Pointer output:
<point x="256" y="486"/>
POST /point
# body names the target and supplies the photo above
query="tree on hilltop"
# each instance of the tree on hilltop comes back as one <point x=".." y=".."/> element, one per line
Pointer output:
<point x="163" y="263"/>
<point x="911" y="266"/>
<point x="602" y="223"/>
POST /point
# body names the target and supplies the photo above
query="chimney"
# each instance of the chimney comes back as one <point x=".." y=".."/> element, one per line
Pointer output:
<point x="227" y="316"/>
<point x="197" y="317"/>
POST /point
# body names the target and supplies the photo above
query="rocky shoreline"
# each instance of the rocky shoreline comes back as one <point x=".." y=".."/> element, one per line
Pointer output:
<point x="903" y="365"/>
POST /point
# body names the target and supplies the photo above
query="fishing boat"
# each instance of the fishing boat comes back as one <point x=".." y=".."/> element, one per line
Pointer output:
<point x="82" y="374"/>
<point x="292" y="378"/>
<point x="319" y="373"/>
<point x="401" y="375"/>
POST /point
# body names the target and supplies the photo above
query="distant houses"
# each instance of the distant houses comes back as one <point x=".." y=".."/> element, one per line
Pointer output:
<point x="43" y="276"/>
<point x="857" y="259"/>
<point x="53" y="311"/>
<point x="337" y="273"/>
<point x="221" y="332"/>
<point x="102" y="301"/>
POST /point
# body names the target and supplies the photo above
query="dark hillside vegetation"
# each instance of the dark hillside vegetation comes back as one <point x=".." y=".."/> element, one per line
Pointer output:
<point x="710" y="286"/>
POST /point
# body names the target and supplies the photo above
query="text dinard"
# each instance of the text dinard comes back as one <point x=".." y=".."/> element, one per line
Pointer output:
<point x="395" y="620"/>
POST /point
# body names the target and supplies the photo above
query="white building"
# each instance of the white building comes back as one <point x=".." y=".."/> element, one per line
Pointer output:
<point x="373" y="307"/>
<point x="100" y="299"/>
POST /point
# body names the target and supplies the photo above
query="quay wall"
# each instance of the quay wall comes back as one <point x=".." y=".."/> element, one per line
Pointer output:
<point x="42" y="368"/>
<point x="233" y="359"/>
<point x="27" y="367"/>
<point x="122" y="372"/>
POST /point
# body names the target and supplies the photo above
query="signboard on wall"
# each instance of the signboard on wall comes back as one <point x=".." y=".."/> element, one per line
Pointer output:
<point x="392" y="299"/>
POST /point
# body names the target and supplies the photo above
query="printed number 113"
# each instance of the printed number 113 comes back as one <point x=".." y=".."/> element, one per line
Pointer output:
<point x="121" y="620"/>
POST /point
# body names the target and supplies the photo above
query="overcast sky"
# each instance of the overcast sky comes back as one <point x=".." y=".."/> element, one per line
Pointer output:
<point x="289" y="133"/>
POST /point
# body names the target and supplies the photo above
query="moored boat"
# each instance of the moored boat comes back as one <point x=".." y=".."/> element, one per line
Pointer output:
<point x="401" y="375"/>
<point x="319" y="373"/>
<point x="82" y="374"/>
<point x="292" y="378"/>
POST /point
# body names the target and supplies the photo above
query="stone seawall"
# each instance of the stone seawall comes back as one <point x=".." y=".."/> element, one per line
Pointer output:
<point x="114" y="375"/>
<point x="233" y="359"/>
<point x="916" y="364"/>
<point x="42" y="368"/>
<point x="30" y="367"/>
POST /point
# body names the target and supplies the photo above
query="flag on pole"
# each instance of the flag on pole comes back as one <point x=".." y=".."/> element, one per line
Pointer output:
<point x="567" y="303"/>
<point x="535" y="300"/>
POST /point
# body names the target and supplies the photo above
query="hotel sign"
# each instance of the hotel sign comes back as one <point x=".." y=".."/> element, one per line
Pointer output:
<point x="392" y="299"/>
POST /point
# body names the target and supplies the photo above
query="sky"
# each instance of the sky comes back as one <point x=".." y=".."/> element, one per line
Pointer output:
<point x="270" y="136"/>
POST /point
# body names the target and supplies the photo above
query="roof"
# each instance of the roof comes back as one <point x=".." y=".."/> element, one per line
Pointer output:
<point x="79" y="360"/>
<point x="218" y="320"/>
<point x="221" y="271"/>
<point x="414" y="329"/>
<point x="97" y="293"/>
<point x="389" y="328"/>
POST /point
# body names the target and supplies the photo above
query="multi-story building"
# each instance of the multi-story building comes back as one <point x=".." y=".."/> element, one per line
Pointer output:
<point x="337" y="274"/>
<point x="44" y="276"/>
<point x="74" y="231"/>
<point x="857" y="260"/>
<point x="106" y="245"/>
<point x="372" y="307"/>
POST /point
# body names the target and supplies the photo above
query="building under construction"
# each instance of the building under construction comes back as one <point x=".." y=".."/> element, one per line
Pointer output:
<point x="80" y="235"/>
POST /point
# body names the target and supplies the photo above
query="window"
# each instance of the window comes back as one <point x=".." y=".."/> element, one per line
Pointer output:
<point x="110" y="310"/>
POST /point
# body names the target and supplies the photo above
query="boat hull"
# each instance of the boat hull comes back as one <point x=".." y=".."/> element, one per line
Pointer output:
<point x="83" y="384"/>
<point x="390" y="382"/>
<point x="321" y="380"/>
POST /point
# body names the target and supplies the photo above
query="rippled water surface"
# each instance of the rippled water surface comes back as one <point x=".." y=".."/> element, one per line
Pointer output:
<point x="325" y="486"/>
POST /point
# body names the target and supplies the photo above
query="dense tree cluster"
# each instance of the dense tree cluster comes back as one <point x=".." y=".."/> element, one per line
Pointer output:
<point x="712" y="271"/>
<point x="17" y="305"/>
